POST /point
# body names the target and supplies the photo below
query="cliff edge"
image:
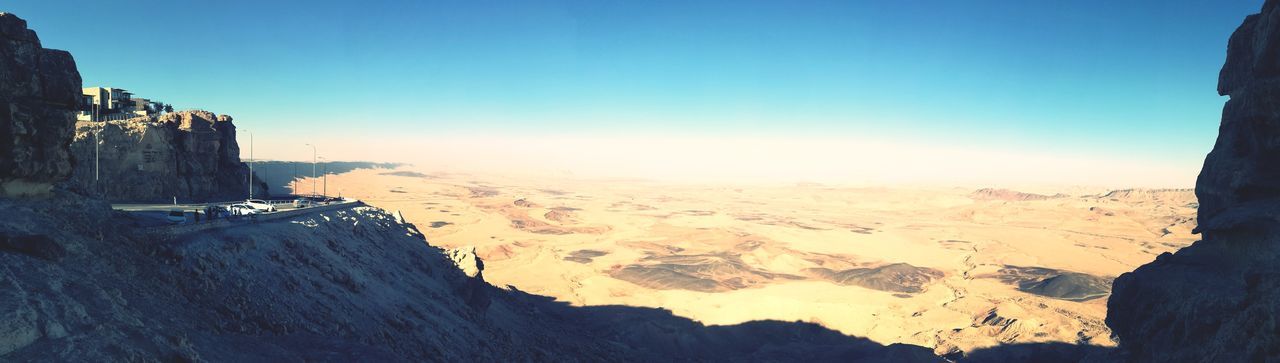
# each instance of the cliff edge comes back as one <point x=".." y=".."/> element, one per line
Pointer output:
<point x="190" y="155"/>
<point x="39" y="91"/>
<point x="1217" y="300"/>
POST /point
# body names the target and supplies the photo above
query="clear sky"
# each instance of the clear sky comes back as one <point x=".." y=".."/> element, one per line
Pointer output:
<point x="1129" y="85"/>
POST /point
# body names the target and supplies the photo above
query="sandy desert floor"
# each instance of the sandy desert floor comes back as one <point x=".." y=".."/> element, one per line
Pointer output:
<point x="953" y="269"/>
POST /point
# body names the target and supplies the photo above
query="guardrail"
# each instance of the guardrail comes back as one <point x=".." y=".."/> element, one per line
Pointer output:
<point x="170" y="232"/>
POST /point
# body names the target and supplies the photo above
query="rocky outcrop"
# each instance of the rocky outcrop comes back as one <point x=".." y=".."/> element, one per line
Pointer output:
<point x="895" y="277"/>
<point x="191" y="155"/>
<point x="1217" y="300"/>
<point x="1007" y="195"/>
<point x="472" y="288"/>
<point x="466" y="260"/>
<point x="39" y="90"/>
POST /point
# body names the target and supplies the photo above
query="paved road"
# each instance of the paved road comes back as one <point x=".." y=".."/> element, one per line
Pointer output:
<point x="283" y="205"/>
<point x="148" y="215"/>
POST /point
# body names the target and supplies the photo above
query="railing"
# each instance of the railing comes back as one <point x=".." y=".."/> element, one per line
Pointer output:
<point x="118" y="117"/>
<point x="170" y="232"/>
<point x="109" y="117"/>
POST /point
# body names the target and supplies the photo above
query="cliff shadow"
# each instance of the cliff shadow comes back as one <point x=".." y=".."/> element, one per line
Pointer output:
<point x="1043" y="353"/>
<point x="656" y="334"/>
<point x="279" y="174"/>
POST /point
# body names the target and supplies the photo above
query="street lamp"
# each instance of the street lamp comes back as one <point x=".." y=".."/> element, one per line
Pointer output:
<point x="313" y="170"/>
<point x="250" y="181"/>
<point x="97" y="151"/>
<point x="325" y="174"/>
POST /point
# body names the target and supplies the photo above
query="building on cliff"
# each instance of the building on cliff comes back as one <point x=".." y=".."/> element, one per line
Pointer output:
<point x="105" y="104"/>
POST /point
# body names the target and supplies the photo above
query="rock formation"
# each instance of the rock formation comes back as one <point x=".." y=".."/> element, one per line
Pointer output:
<point x="39" y="91"/>
<point x="1007" y="195"/>
<point x="1219" y="299"/>
<point x="472" y="288"/>
<point x="191" y="155"/>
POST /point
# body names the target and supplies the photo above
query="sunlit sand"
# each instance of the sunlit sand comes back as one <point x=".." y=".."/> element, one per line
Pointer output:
<point x="948" y="268"/>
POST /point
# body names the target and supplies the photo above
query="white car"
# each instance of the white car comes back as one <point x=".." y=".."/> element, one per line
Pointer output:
<point x="242" y="209"/>
<point x="260" y="205"/>
<point x="177" y="216"/>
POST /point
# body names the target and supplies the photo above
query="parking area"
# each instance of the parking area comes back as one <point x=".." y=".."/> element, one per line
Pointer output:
<point x="150" y="215"/>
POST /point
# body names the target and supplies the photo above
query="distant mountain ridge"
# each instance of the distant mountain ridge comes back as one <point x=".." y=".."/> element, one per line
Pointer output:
<point x="279" y="175"/>
<point x="986" y="194"/>
<point x="1146" y="193"/>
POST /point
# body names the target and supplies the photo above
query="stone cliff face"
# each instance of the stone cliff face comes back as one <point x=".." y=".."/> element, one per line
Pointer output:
<point x="39" y="90"/>
<point x="1219" y="299"/>
<point x="191" y="155"/>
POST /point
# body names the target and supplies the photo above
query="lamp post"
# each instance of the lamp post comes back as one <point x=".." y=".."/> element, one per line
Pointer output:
<point x="250" y="164"/>
<point x="97" y="151"/>
<point x="313" y="170"/>
<point x="325" y="174"/>
<point x="96" y="145"/>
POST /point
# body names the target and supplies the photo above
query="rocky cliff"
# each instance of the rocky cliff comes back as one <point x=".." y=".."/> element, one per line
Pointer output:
<point x="339" y="285"/>
<point x="191" y="155"/>
<point x="79" y="282"/>
<point x="1219" y="299"/>
<point x="39" y="90"/>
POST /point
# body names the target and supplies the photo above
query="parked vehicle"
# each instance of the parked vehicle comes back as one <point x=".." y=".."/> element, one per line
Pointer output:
<point x="176" y="216"/>
<point x="260" y="205"/>
<point x="242" y="209"/>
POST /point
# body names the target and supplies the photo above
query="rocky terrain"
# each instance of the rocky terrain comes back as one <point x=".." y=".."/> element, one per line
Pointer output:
<point x="39" y="91"/>
<point x="346" y="284"/>
<point x="937" y="268"/>
<point x="1219" y="299"/>
<point x="190" y="155"/>
<point x="334" y="286"/>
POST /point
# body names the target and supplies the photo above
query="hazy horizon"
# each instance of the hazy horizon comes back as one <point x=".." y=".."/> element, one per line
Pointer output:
<point x="1082" y="93"/>
<point x="757" y="159"/>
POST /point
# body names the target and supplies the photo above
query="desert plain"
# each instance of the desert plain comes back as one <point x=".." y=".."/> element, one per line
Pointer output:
<point x="951" y="268"/>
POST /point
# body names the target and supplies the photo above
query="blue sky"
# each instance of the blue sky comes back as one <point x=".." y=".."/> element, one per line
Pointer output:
<point x="1099" y="78"/>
